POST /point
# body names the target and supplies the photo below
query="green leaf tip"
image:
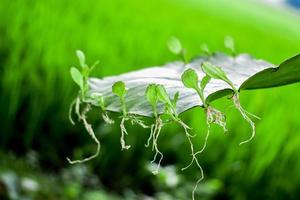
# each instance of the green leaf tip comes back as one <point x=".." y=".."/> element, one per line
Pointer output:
<point x="77" y="76"/>
<point x="174" y="45"/>
<point x="119" y="89"/>
<point x="190" y="78"/>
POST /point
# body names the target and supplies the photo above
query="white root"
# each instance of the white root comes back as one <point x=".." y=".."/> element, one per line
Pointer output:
<point x="123" y="133"/>
<point x="155" y="134"/>
<point x="89" y="129"/>
<point x="106" y="118"/>
<point x="77" y="108"/>
<point x="70" y="111"/>
<point x="215" y="116"/>
<point x="194" y="158"/>
<point x="243" y="112"/>
<point x="152" y="128"/>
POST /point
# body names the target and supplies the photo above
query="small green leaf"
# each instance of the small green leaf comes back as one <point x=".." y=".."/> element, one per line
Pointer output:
<point x="174" y="45"/>
<point x="119" y="89"/>
<point x="163" y="95"/>
<point x="77" y="76"/>
<point x="151" y="94"/>
<point x="205" y="80"/>
<point x="81" y="58"/>
<point x="229" y="43"/>
<point x="190" y="79"/>
<point x="175" y="99"/>
<point x="214" y="71"/>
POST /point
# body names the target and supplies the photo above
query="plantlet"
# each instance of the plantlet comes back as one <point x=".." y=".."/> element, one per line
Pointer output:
<point x="81" y="79"/>
<point x="229" y="44"/>
<point x="152" y="98"/>
<point x="190" y="80"/>
<point x="120" y="90"/>
<point x="176" y="48"/>
<point x="218" y="73"/>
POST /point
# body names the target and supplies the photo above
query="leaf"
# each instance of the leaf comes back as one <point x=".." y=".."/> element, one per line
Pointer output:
<point x="163" y="95"/>
<point x="77" y="77"/>
<point x="242" y="70"/>
<point x="119" y="89"/>
<point x="174" y="45"/>
<point x="205" y="80"/>
<point x="215" y="72"/>
<point x="175" y="99"/>
<point x="229" y="43"/>
<point x="81" y="58"/>
<point x="151" y="94"/>
<point x="286" y="73"/>
<point x="190" y="79"/>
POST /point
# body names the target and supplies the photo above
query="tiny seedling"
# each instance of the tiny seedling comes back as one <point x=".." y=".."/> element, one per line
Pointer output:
<point x="176" y="48"/>
<point x="218" y="73"/>
<point x="155" y="129"/>
<point x="81" y="79"/>
<point x="120" y="90"/>
<point x="229" y="44"/>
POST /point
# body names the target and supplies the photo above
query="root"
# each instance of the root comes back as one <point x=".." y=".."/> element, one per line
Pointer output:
<point x="70" y="111"/>
<point x="77" y="108"/>
<point x="135" y="120"/>
<point x="123" y="132"/>
<point x="215" y="116"/>
<point x="245" y="114"/>
<point x="89" y="129"/>
<point x="152" y="128"/>
<point x="106" y="118"/>
<point x="155" y="134"/>
<point x="194" y="158"/>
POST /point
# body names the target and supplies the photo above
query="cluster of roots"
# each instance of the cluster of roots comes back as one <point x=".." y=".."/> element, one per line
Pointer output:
<point x="213" y="116"/>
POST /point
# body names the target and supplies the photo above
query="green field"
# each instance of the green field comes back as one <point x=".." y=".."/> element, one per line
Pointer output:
<point x="38" y="40"/>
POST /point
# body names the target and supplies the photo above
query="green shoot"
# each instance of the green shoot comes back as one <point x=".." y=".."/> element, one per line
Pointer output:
<point x="176" y="48"/>
<point x="229" y="44"/>
<point x="204" y="48"/>
<point x="81" y="79"/>
<point x="120" y="90"/>
<point x="190" y="79"/>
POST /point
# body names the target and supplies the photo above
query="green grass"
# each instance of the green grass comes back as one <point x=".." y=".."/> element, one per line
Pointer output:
<point x="37" y="47"/>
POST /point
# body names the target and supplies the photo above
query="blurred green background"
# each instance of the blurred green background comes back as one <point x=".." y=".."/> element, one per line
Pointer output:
<point x="38" y="40"/>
